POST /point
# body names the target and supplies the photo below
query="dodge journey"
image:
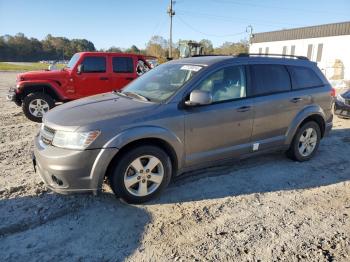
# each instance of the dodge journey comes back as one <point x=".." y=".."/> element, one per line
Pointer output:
<point x="183" y="115"/>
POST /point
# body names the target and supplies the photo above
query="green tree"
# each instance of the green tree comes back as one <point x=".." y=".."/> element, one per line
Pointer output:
<point x="230" y="48"/>
<point x="133" y="50"/>
<point x="114" y="49"/>
<point x="207" y="46"/>
<point x="157" y="46"/>
<point x="21" y="48"/>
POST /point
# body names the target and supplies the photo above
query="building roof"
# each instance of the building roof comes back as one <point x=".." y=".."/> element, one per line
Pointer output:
<point x="303" y="32"/>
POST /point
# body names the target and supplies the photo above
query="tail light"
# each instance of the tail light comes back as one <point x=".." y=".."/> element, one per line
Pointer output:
<point x="333" y="92"/>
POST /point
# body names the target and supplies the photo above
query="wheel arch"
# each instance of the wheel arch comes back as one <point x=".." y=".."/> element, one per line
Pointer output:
<point x="318" y="119"/>
<point x="153" y="141"/>
<point x="146" y="135"/>
<point x="312" y="113"/>
<point x="41" y="88"/>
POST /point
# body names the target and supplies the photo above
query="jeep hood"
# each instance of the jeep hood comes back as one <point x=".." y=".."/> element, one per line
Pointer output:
<point x="89" y="111"/>
<point x="43" y="75"/>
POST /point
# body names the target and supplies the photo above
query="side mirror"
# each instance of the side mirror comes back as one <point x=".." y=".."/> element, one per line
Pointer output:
<point x="80" y="69"/>
<point x="199" y="97"/>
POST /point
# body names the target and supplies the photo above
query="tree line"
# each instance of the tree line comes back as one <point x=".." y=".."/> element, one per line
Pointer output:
<point x="24" y="49"/>
<point x="21" y="48"/>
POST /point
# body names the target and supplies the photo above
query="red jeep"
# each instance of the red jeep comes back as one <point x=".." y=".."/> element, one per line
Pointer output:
<point x="87" y="73"/>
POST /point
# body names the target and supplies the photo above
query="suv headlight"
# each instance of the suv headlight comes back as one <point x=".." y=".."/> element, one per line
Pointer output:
<point x="74" y="140"/>
<point x="340" y="98"/>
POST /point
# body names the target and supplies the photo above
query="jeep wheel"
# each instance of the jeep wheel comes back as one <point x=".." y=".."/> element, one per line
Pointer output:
<point x="305" y="142"/>
<point x="35" y="105"/>
<point x="141" y="174"/>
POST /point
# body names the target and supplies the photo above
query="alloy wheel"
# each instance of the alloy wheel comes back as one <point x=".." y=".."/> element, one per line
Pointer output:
<point x="38" y="107"/>
<point x="144" y="175"/>
<point x="307" y="142"/>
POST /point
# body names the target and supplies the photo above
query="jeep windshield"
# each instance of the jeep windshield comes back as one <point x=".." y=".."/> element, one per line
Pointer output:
<point x="160" y="83"/>
<point x="73" y="61"/>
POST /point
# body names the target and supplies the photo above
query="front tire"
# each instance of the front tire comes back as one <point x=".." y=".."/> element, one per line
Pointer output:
<point x="305" y="142"/>
<point x="35" y="105"/>
<point x="140" y="174"/>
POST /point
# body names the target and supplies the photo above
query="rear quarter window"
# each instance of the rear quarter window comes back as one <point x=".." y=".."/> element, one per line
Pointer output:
<point x="123" y="64"/>
<point x="304" y="77"/>
<point x="269" y="79"/>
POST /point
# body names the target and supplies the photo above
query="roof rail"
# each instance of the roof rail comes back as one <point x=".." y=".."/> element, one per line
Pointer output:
<point x="278" y="55"/>
<point x="209" y="55"/>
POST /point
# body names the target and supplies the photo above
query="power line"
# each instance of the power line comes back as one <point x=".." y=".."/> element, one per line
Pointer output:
<point x="201" y="32"/>
<point x="277" y="7"/>
<point x="226" y="18"/>
<point x="159" y="26"/>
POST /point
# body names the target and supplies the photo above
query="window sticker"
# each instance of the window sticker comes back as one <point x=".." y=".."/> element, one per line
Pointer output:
<point x="191" y="68"/>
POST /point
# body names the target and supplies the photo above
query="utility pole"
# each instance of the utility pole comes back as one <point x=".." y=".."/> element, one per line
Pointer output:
<point x="249" y="30"/>
<point x="171" y="13"/>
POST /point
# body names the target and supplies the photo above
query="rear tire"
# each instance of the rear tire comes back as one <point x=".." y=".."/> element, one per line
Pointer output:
<point x="35" y="105"/>
<point x="140" y="174"/>
<point x="305" y="142"/>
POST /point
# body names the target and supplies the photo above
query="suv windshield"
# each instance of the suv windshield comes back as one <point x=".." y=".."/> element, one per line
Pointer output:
<point x="162" y="82"/>
<point x="72" y="61"/>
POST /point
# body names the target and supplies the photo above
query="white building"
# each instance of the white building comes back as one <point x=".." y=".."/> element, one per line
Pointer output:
<point x="328" y="45"/>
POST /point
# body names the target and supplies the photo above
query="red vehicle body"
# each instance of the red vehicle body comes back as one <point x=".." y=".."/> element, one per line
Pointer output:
<point x="87" y="73"/>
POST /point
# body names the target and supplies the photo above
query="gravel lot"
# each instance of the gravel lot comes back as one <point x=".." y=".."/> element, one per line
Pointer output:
<point x="266" y="208"/>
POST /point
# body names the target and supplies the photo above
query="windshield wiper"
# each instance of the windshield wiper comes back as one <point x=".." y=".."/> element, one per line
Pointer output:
<point x="118" y="92"/>
<point x="135" y="95"/>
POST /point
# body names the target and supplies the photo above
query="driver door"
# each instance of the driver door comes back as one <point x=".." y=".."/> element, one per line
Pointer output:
<point x="94" y="78"/>
<point x="223" y="128"/>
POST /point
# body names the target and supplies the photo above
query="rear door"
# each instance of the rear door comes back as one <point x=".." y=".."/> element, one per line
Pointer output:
<point x="275" y="104"/>
<point x="123" y="71"/>
<point x="94" y="78"/>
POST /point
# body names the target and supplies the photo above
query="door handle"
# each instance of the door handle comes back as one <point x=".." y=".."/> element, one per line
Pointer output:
<point x="129" y="78"/>
<point x="296" y="99"/>
<point x="103" y="78"/>
<point x="244" y="109"/>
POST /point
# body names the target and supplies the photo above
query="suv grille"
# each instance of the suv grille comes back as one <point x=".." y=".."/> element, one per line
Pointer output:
<point x="47" y="134"/>
<point x="347" y="102"/>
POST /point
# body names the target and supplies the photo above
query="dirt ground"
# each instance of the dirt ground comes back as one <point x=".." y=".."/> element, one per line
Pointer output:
<point x="267" y="208"/>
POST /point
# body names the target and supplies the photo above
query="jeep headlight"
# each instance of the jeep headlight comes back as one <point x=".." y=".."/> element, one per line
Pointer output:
<point x="74" y="140"/>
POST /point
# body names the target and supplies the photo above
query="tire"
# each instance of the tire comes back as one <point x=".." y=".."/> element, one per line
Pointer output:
<point x="35" y="105"/>
<point x="295" y="150"/>
<point x="125" y="167"/>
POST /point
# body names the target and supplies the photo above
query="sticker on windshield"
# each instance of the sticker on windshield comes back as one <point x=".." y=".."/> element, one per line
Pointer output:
<point x="191" y="68"/>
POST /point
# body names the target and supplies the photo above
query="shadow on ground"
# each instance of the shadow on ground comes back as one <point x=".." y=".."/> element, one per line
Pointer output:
<point x="64" y="228"/>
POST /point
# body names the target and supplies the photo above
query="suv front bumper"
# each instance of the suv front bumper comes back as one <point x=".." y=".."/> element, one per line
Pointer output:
<point x="13" y="96"/>
<point x="71" y="171"/>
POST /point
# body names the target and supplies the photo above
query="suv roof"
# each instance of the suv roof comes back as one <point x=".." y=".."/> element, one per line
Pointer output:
<point x="208" y="60"/>
<point x="110" y="53"/>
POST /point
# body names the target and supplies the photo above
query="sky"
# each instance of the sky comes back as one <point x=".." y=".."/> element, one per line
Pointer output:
<point x="123" y="23"/>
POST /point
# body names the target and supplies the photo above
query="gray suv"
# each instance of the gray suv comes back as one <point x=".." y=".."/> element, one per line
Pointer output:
<point x="181" y="116"/>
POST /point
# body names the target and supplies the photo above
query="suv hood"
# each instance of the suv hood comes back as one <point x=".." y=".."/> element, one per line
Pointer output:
<point x="88" y="111"/>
